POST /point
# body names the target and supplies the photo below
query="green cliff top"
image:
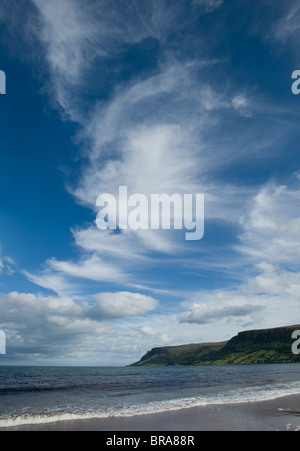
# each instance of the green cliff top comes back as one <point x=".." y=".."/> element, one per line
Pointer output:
<point x="250" y="347"/>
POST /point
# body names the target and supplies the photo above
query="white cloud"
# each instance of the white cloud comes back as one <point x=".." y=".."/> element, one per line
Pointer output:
<point x="92" y="268"/>
<point x="207" y="314"/>
<point x="126" y="246"/>
<point x="151" y="162"/>
<point x="274" y="282"/>
<point x="269" y="299"/>
<point x="67" y="28"/>
<point x="209" y="5"/>
<point x="52" y="281"/>
<point x="139" y="135"/>
<point x="148" y="331"/>
<point x="65" y="278"/>
<point x="43" y="324"/>
<point x="288" y="26"/>
<point x="241" y="104"/>
<point x="270" y="240"/>
<point x="122" y="305"/>
<point x="7" y="265"/>
<point x="57" y="327"/>
<point x="271" y="227"/>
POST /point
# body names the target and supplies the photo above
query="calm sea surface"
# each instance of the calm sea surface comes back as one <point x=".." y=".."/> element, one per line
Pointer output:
<point x="43" y="395"/>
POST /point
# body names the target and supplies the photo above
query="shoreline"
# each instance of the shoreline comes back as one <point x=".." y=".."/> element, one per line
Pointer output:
<point x="280" y="414"/>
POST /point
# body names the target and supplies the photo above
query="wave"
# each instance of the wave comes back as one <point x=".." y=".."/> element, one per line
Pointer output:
<point x="247" y="395"/>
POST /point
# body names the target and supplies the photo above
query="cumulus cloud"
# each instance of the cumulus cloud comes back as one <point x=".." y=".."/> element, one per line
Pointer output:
<point x="272" y="281"/>
<point x="40" y="325"/>
<point x="49" y="326"/>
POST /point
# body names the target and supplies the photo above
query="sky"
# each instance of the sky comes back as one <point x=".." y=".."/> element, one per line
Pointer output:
<point x="181" y="96"/>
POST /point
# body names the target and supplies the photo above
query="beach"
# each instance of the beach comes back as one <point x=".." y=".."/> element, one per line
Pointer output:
<point x="282" y="414"/>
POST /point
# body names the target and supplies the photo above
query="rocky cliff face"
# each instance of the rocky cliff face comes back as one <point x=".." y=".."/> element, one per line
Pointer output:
<point x="257" y="346"/>
<point x="268" y="338"/>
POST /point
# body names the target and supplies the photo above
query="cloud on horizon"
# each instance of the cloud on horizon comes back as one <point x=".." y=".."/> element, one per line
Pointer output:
<point x="46" y="327"/>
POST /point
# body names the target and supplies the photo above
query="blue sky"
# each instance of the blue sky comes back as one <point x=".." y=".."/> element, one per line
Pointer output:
<point x="189" y="96"/>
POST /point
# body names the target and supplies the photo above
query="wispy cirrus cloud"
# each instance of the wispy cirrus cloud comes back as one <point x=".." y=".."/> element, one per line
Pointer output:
<point x="153" y="130"/>
<point x="209" y="5"/>
<point x="53" y="281"/>
<point x="136" y="135"/>
<point x="7" y="264"/>
<point x="287" y="27"/>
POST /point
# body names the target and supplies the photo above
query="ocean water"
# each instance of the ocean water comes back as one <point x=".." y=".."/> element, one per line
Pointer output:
<point x="40" y="395"/>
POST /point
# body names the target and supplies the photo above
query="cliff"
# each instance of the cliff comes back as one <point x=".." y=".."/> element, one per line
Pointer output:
<point x="256" y="346"/>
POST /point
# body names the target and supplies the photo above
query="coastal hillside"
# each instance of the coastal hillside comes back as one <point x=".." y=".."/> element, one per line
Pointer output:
<point x="256" y="346"/>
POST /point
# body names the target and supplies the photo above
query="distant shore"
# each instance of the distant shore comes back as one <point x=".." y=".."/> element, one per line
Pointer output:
<point x="247" y="348"/>
<point x="281" y="414"/>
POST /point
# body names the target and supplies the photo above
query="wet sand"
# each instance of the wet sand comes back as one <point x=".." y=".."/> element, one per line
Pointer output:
<point x="282" y="414"/>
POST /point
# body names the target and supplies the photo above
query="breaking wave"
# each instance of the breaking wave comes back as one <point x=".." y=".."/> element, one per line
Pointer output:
<point x="245" y="395"/>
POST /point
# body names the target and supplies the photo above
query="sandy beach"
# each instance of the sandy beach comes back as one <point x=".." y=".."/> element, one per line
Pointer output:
<point x="282" y="414"/>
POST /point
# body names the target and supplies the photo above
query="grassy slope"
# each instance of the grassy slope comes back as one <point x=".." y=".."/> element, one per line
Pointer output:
<point x="179" y="355"/>
<point x="262" y="346"/>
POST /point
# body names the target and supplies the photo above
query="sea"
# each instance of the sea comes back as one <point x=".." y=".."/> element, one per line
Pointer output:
<point x="41" y="395"/>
